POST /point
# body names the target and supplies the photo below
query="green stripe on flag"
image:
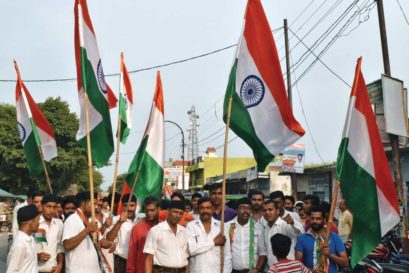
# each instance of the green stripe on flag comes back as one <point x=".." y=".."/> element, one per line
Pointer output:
<point x="102" y="142"/>
<point x="150" y="180"/>
<point x="241" y="124"/>
<point x="124" y="119"/>
<point x="32" y="155"/>
<point x="359" y="190"/>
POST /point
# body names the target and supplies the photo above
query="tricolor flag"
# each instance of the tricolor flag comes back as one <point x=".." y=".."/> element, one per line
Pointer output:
<point x="167" y="190"/>
<point x="34" y="129"/>
<point x="125" y="101"/>
<point x="90" y="79"/>
<point x="364" y="174"/>
<point x="261" y="114"/>
<point x="146" y="169"/>
<point x="112" y="100"/>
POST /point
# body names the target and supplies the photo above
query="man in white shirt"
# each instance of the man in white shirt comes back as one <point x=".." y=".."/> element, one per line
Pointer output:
<point x="204" y="240"/>
<point x="81" y="254"/>
<point x="288" y="216"/>
<point x="166" y="245"/>
<point x="120" y="231"/>
<point x="248" y="250"/>
<point x="22" y="256"/>
<point x="50" y="252"/>
<point x="276" y="225"/>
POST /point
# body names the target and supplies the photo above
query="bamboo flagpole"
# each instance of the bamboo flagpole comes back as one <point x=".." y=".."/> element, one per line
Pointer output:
<point x="118" y="145"/>
<point x="90" y="167"/>
<point x="329" y="223"/>
<point x="47" y="178"/>
<point x="226" y="140"/>
<point x="133" y="185"/>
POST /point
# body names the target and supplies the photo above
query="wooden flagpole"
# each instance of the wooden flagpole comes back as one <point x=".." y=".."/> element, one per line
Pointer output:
<point x="330" y="222"/>
<point x="118" y="144"/>
<point x="133" y="185"/>
<point x="90" y="167"/>
<point x="226" y="140"/>
<point x="47" y="178"/>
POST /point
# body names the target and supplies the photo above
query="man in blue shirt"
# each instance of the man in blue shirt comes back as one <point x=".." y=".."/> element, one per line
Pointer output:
<point x="310" y="246"/>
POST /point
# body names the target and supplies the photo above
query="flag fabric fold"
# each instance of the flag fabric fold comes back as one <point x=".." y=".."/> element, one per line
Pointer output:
<point x="125" y="102"/>
<point x="146" y="169"/>
<point x="364" y="174"/>
<point x="112" y="100"/>
<point x="34" y="129"/>
<point x="91" y="80"/>
<point x="260" y="114"/>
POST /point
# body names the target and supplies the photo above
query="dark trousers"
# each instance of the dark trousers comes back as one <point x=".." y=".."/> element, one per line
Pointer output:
<point x="240" y="271"/>
<point x="119" y="264"/>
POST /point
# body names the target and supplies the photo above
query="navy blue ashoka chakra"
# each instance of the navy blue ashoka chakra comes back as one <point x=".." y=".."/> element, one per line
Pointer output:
<point x="101" y="78"/>
<point x="21" y="131"/>
<point x="252" y="91"/>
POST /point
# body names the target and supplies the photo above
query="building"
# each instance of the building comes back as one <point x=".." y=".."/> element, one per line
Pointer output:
<point x="205" y="169"/>
<point x="172" y="174"/>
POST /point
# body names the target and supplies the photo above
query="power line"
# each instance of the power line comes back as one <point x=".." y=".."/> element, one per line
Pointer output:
<point x="403" y="13"/>
<point x="326" y="66"/>
<point x="334" y="39"/>
<point x="145" y="68"/>
<point x="305" y="117"/>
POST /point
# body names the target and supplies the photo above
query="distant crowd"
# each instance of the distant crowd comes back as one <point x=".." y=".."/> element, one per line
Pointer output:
<point x="260" y="234"/>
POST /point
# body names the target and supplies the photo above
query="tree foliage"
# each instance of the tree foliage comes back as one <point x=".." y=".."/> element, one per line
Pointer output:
<point x="67" y="169"/>
<point x="120" y="180"/>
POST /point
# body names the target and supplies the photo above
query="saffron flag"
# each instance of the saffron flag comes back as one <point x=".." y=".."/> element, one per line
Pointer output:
<point x="260" y="114"/>
<point x="364" y="174"/>
<point x="125" y="102"/>
<point x="35" y="131"/>
<point x="112" y="100"/>
<point x="91" y="80"/>
<point x="146" y="169"/>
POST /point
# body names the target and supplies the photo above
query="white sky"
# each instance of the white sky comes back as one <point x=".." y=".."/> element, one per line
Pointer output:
<point x="40" y="37"/>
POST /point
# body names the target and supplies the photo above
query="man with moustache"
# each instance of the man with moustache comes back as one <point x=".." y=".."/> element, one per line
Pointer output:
<point x="166" y="247"/>
<point x="136" y="258"/>
<point x="310" y="246"/>
<point x="204" y="240"/>
<point x="69" y="206"/>
<point x="121" y="231"/>
<point x="50" y="252"/>
<point x="274" y="224"/>
<point x="248" y="249"/>
<point x="216" y="195"/>
<point x="22" y="256"/>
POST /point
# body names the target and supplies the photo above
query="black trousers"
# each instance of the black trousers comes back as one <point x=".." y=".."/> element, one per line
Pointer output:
<point x="119" y="264"/>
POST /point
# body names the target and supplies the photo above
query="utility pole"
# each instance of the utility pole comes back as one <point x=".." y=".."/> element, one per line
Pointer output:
<point x="183" y="152"/>
<point x="394" y="138"/>
<point x="289" y="94"/>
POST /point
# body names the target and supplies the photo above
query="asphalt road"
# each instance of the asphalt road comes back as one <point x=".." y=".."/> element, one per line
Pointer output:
<point x="3" y="251"/>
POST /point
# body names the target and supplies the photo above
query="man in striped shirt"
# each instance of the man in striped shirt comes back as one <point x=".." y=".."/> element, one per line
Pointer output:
<point x="281" y="245"/>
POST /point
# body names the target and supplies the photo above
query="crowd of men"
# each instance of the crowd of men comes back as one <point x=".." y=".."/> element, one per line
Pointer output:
<point x="274" y="234"/>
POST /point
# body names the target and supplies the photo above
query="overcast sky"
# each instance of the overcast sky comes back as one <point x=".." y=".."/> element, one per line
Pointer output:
<point x="40" y="36"/>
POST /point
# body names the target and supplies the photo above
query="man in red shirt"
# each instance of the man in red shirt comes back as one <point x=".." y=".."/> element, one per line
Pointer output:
<point x="136" y="257"/>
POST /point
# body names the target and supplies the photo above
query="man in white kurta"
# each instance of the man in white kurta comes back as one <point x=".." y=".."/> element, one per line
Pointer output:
<point x="204" y="241"/>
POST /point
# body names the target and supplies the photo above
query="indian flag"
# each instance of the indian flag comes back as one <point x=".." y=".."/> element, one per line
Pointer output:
<point x="146" y="169"/>
<point x="364" y="174"/>
<point x="125" y="102"/>
<point x="260" y="113"/>
<point x="91" y="80"/>
<point x="35" y="131"/>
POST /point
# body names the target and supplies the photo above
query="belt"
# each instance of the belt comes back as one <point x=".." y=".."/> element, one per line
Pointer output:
<point x="240" y="271"/>
<point x="119" y="257"/>
<point x="165" y="269"/>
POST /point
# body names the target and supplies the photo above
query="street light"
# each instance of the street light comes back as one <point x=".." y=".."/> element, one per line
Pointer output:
<point x="183" y="152"/>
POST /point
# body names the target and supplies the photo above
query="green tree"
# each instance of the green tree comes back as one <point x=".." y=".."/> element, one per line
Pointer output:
<point x="67" y="169"/>
<point x="119" y="183"/>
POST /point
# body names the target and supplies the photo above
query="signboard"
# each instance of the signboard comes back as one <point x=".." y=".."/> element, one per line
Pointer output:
<point x="174" y="177"/>
<point x="375" y="91"/>
<point x="293" y="159"/>
<point x="396" y="118"/>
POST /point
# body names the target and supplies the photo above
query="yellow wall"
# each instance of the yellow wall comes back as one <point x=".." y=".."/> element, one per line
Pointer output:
<point x="213" y="166"/>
